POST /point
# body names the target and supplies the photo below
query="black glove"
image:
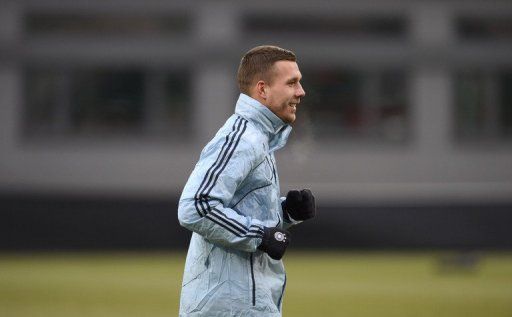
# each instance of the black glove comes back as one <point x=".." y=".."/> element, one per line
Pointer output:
<point x="300" y="205"/>
<point x="274" y="242"/>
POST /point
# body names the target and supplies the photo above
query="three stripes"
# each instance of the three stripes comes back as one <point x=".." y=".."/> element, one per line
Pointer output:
<point x="201" y="197"/>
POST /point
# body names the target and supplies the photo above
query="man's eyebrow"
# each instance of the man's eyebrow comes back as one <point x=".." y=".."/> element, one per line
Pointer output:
<point x="293" y="79"/>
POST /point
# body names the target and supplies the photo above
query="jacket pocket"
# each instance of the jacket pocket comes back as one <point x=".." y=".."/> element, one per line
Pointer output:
<point x="207" y="298"/>
<point x="199" y="266"/>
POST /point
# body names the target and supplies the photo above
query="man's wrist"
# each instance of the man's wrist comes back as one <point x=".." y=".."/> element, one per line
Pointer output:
<point x="274" y="242"/>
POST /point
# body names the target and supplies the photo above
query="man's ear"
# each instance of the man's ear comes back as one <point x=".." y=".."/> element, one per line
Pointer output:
<point x="261" y="89"/>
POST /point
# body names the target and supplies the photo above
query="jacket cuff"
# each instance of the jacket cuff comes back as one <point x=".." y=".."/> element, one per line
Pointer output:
<point x="287" y="219"/>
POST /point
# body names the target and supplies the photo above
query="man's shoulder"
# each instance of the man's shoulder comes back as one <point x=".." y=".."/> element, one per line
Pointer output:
<point x="241" y="128"/>
<point x="241" y="136"/>
<point x="255" y="138"/>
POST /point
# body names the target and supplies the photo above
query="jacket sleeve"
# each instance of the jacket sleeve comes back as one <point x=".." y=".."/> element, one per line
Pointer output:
<point x="287" y="220"/>
<point x="222" y="167"/>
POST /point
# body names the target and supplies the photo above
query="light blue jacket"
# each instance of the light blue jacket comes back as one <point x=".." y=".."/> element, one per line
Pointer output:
<point x="230" y="196"/>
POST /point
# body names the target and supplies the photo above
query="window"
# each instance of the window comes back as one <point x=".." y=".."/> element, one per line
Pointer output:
<point x="483" y="104"/>
<point x="277" y="25"/>
<point x="106" y="101"/>
<point x="485" y="28"/>
<point x="351" y="104"/>
<point x="101" y="24"/>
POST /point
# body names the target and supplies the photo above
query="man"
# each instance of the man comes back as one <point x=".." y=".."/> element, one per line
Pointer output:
<point x="232" y="201"/>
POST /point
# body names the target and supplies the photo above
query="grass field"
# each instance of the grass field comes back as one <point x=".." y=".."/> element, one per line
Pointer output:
<point x="319" y="284"/>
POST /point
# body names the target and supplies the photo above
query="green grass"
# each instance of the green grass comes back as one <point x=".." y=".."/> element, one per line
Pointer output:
<point x="319" y="284"/>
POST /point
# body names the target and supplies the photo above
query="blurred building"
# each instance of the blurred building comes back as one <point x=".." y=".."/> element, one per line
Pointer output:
<point x="408" y="102"/>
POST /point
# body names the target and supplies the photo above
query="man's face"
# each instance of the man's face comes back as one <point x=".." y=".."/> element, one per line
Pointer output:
<point x="284" y="92"/>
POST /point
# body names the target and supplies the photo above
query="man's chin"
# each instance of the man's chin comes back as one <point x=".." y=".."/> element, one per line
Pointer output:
<point x="290" y="120"/>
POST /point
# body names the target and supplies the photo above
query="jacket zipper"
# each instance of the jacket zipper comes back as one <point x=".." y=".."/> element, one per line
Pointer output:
<point x="272" y="167"/>
<point x="282" y="293"/>
<point x="253" y="282"/>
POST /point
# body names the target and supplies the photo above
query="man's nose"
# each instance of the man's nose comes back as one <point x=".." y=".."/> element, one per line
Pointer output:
<point x="300" y="91"/>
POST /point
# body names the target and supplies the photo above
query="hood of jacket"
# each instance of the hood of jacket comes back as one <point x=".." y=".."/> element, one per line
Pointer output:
<point x="276" y="129"/>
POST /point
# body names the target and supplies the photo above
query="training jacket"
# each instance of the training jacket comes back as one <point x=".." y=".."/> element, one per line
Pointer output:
<point x="232" y="193"/>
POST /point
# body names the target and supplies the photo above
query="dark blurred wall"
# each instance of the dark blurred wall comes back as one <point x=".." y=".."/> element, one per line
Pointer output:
<point x="74" y="223"/>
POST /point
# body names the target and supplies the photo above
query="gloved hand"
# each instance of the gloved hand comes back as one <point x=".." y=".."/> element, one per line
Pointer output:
<point x="274" y="242"/>
<point x="300" y="205"/>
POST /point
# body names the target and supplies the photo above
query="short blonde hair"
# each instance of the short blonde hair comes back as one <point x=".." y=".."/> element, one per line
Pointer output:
<point x="257" y="64"/>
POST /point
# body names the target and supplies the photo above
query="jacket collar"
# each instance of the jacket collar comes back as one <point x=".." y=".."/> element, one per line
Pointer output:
<point x="276" y="129"/>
